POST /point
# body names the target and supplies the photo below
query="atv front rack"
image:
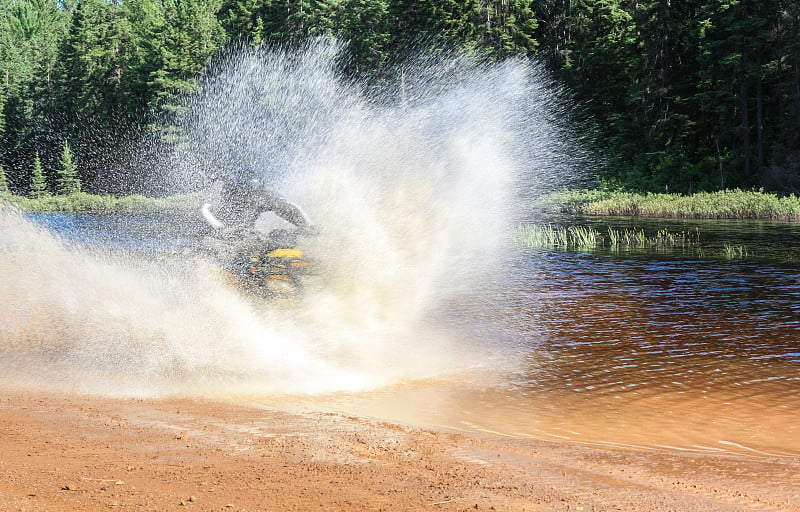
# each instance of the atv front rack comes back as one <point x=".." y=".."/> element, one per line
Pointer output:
<point x="264" y="270"/>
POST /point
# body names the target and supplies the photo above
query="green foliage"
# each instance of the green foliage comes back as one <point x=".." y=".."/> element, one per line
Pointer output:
<point x="431" y="22"/>
<point x="38" y="181"/>
<point x="509" y="26"/>
<point x="68" y="181"/>
<point x="83" y="202"/>
<point x="725" y="204"/>
<point x="3" y="181"/>
<point x="366" y="24"/>
<point x="29" y="34"/>
<point x="257" y="21"/>
<point x="684" y="96"/>
<point x="190" y="36"/>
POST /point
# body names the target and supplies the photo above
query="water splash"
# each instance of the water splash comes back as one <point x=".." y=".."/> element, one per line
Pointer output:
<point x="414" y="184"/>
<point x="91" y="320"/>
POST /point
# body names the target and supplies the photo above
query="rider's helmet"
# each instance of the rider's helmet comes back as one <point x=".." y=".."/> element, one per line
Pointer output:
<point x="247" y="180"/>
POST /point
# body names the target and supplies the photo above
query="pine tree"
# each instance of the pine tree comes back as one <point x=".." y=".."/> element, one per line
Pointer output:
<point x="366" y="25"/>
<point x="29" y="35"/>
<point x="2" y="115"/>
<point x="191" y="36"/>
<point x="38" y="182"/>
<point x="142" y="21"/>
<point x="68" y="182"/>
<point x="3" y="181"/>
<point x="419" y="23"/>
<point x="257" y="21"/>
<point x="509" y="26"/>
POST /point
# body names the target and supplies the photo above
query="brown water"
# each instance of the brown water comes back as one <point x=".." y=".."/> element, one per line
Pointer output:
<point x="668" y="350"/>
<point x="694" y="355"/>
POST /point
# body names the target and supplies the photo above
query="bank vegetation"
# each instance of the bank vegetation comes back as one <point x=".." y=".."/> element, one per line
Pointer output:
<point x="82" y="202"/>
<point x="724" y="204"/>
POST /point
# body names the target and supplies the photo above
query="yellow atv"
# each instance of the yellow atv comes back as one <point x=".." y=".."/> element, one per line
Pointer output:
<point x="275" y="272"/>
<point x="266" y="267"/>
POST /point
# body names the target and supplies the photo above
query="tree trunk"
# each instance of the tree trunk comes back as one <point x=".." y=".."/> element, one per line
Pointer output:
<point x="759" y="120"/>
<point x="719" y="162"/>
<point x="797" y="90"/>
<point x="745" y="126"/>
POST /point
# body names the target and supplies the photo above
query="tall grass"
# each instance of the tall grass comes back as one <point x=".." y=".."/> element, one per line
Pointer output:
<point x="732" y="252"/>
<point x="83" y="202"/>
<point x="726" y="204"/>
<point x="585" y="238"/>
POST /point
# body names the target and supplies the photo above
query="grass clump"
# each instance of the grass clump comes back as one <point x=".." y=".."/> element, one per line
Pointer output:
<point x="734" y="252"/>
<point x="725" y="204"/>
<point x="555" y="237"/>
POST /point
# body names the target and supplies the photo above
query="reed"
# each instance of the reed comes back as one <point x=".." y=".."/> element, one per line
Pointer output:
<point x="732" y="252"/>
<point x="583" y="237"/>
<point x="534" y="236"/>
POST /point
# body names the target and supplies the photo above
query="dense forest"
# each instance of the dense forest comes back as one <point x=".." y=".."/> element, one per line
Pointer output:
<point x="682" y="96"/>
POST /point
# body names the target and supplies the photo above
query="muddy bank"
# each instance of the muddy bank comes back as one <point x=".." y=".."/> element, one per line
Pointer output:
<point x="66" y="453"/>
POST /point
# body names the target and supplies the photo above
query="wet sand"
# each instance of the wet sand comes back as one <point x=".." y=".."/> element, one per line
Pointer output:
<point x="80" y="453"/>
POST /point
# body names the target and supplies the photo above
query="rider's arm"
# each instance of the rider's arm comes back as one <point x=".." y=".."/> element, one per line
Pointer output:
<point x="211" y="201"/>
<point x="209" y="217"/>
<point x="292" y="213"/>
<point x="288" y="211"/>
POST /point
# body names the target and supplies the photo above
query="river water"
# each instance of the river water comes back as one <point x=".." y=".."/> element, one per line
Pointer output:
<point x="679" y="349"/>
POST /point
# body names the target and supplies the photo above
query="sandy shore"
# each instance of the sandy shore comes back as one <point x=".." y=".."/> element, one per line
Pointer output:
<point x="77" y="453"/>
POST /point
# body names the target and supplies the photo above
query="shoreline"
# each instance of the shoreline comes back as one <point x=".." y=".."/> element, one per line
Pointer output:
<point x="732" y="204"/>
<point x="62" y="452"/>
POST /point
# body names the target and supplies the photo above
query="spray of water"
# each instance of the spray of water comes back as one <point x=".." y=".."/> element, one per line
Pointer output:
<point x="414" y="183"/>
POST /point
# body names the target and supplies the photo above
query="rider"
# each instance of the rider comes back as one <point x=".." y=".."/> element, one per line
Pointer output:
<point x="233" y="204"/>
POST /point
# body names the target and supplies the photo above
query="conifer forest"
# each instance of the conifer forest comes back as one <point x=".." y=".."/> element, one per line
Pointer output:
<point x="677" y="96"/>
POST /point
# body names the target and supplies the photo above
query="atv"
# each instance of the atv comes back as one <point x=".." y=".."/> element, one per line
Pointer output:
<point x="265" y="267"/>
